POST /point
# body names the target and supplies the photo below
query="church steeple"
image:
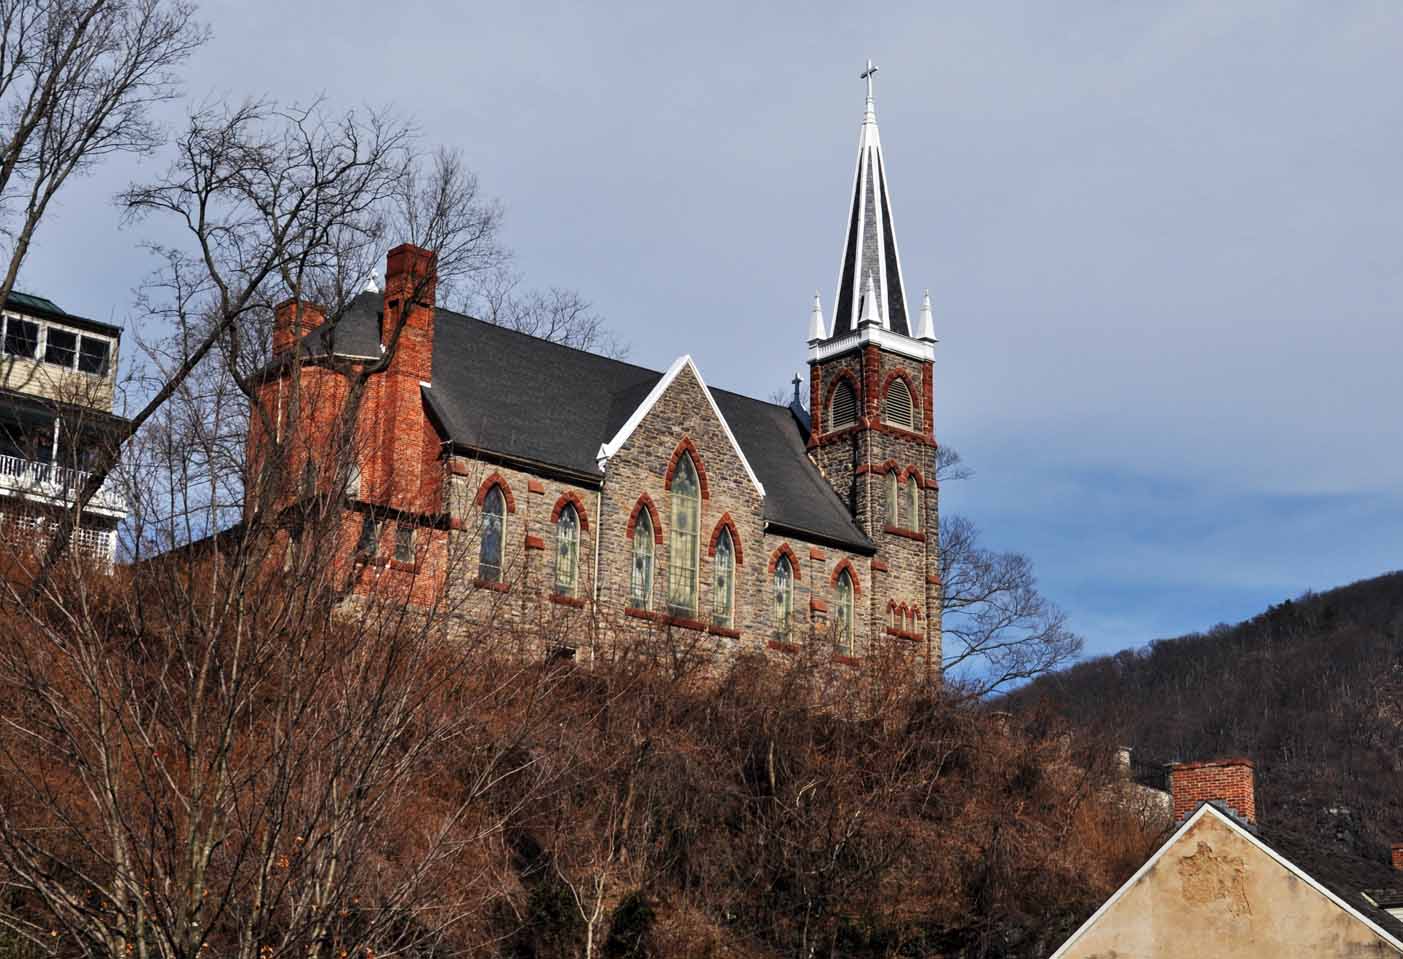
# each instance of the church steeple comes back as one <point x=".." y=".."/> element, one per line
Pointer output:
<point x="870" y="260"/>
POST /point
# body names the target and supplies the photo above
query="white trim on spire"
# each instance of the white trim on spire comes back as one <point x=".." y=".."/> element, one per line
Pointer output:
<point x="869" y="307"/>
<point x="1206" y="809"/>
<point x="818" y="330"/>
<point x="607" y="450"/>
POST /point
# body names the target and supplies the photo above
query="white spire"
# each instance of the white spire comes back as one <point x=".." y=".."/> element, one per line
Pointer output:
<point x="925" y="329"/>
<point x="817" y="328"/>
<point x="869" y="304"/>
<point x="870" y="257"/>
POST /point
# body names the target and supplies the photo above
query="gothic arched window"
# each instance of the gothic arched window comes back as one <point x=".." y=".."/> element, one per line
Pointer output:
<point x="723" y="586"/>
<point x="843" y="613"/>
<point x="897" y="407"/>
<point x="682" y="555"/>
<point x="567" y="552"/>
<point x="912" y="507"/>
<point x="640" y="585"/>
<point x="490" y="536"/>
<point x="784" y="596"/>
<point x="842" y="408"/>
<point x="893" y="499"/>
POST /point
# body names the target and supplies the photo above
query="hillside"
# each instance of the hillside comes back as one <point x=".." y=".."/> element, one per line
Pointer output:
<point x="1312" y="689"/>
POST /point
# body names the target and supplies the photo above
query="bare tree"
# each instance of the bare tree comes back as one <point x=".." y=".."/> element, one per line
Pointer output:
<point x="253" y="746"/>
<point x="294" y="203"/>
<point x="77" y="81"/>
<point x="997" y="627"/>
<point x="556" y="314"/>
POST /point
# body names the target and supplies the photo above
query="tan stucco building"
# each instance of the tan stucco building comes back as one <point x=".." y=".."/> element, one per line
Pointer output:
<point x="1220" y="888"/>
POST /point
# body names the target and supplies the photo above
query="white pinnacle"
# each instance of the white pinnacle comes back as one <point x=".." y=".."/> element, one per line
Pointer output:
<point x="869" y="305"/>
<point x="926" y="330"/>
<point x="817" y="329"/>
<point x="370" y="285"/>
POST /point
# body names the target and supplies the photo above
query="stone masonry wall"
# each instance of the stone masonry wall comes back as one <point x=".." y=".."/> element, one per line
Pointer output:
<point x="856" y="461"/>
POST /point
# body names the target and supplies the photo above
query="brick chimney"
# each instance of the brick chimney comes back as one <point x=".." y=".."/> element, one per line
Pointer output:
<point x="1229" y="782"/>
<point x="1397" y="851"/>
<point x="411" y="277"/>
<point x="290" y="325"/>
<point x="407" y="444"/>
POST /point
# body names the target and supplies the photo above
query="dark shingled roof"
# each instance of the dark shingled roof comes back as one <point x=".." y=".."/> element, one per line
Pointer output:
<point x="499" y="391"/>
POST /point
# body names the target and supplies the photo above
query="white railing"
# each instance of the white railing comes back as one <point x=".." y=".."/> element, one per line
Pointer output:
<point x="49" y="483"/>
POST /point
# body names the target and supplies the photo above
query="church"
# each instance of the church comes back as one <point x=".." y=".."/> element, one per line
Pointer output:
<point x="520" y="481"/>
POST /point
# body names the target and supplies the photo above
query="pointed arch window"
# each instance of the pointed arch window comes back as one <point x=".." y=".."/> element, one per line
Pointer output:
<point x="897" y="406"/>
<point x="723" y="586"/>
<point x="842" y="408"/>
<point x="490" y="536"/>
<point x="893" y="499"/>
<point x="683" y="542"/>
<point x="843" y="612"/>
<point x="640" y="586"/>
<point x="567" y="552"/>
<point x="784" y="597"/>
<point x="912" y="507"/>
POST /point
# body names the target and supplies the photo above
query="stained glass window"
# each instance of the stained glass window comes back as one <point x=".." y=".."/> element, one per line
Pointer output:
<point x="567" y="552"/>
<point x="640" y="587"/>
<point x="784" y="597"/>
<point x="682" y="542"/>
<point x="490" y="540"/>
<point x="843" y="613"/>
<point x="723" y="587"/>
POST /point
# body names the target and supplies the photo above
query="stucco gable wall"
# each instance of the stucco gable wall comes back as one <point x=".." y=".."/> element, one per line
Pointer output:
<point x="1214" y="893"/>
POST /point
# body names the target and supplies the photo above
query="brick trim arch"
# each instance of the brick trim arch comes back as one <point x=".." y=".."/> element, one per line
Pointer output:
<point x="687" y="447"/>
<point x="911" y="471"/>
<point x="726" y="523"/>
<point x="846" y="564"/>
<point x="828" y="397"/>
<point x="496" y="480"/>
<point x="917" y="396"/>
<point x="784" y="550"/>
<point x="645" y="502"/>
<point x="573" y="498"/>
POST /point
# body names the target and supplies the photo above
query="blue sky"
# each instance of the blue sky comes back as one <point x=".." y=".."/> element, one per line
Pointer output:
<point x="1162" y="240"/>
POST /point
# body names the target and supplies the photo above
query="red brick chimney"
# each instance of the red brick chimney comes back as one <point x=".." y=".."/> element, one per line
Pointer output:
<point x="291" y="324"/>
<point x="1397" y="851"/>
<point x="411" y="277"/>
<point x="1226" y="781"/>
<point x="407" y="444"/>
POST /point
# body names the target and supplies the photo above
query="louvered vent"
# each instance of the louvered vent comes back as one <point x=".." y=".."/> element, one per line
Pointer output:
<point x="896" y="409"/>
<point x="842" y="409"/>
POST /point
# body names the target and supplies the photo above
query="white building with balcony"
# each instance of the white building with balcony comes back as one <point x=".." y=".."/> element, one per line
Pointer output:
<point x="58" y="375"/>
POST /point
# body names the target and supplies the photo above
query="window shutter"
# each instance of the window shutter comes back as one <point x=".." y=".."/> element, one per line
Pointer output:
<point x="896" y="408"/>
<point x="842" y="409"/>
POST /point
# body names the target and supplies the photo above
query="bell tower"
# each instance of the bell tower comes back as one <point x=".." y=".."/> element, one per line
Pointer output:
<point x="871" y="404"/>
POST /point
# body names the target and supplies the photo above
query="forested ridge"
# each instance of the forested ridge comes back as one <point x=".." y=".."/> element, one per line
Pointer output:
<point x="1311" y="689"/>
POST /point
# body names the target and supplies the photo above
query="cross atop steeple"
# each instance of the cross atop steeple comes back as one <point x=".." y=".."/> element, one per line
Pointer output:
<point x="868" y="74"/>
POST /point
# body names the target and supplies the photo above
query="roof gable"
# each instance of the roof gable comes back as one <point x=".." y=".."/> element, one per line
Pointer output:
<point x="1208" y="814"/>
<point x="684" y="362"/>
